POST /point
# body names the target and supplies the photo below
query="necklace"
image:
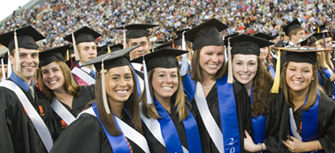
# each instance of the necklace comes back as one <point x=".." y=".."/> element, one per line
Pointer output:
<point x="209" y="86"/>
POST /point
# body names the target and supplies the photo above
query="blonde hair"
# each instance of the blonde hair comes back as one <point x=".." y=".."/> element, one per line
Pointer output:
<point x="150" y="110"/>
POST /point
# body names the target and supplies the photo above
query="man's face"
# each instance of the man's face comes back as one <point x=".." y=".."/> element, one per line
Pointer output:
<point x="296" y="37"/>
<point x="87" y="51"/>
<point x="29" y="62"/>
<point x="140" y="51"/>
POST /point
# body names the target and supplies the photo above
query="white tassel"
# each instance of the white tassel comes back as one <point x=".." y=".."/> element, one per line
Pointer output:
<point x="3" y="70"/>
<point x="75" y="49"/>
<point x="104" y="94"/>
<point x="124" y="38"/>
<point x="146" y="83"/>
<point x="184" y="64"/>
<point x="230" y="64"/>
<point x="9" y="66"/>
<point x="17" y="55"/>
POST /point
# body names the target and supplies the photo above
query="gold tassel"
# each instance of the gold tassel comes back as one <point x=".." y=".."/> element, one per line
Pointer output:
<point x="124" y="37"/>
<point x="75" y="49"/>
<point x="17" y="55"/>
<point x="275" y="86"/>
<point x="230" y="64"/>
<point x="67" y="55"/>
<point x="109" y="49"/>
<point x="318" y="29"/>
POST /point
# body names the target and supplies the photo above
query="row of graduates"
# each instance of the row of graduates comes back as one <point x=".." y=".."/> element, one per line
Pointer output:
<point x="215" y="116"/>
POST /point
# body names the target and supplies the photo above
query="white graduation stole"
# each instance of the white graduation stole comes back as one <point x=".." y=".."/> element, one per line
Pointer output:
<point x="62" y="112"/>
<point x="83" y="75"/>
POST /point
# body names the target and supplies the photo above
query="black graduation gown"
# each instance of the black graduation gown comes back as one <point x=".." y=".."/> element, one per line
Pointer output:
<point x="326" y="122"/>
<point x="85" y="135"/>
<point x="71" y="63"/>
<point x="17" y="132"/>
<point x="213" y="105"/>
<point x="155" y="145"/>
<point x="78" y="105"/>
<point x="325" y="83"/>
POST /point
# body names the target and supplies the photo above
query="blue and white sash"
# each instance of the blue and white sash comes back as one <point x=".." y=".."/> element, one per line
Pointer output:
<point x="229" y="139"/>
<point x="310" y="126"/>
<point x="119" y="143"/>
<point x="35" y="118"/>
<point x="139" y="82"/>
<point x="328" y="74"/>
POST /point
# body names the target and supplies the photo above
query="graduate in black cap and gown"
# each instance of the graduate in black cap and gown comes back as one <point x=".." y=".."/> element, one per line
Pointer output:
<point x="308" y="114"/>
<point x="218" y="104"/>
<point x="26" y="121"/>
<point x="169" y="124"/>
<point x="67" y="98"/>
<point x="248" y="70"/>
<point x="109" y="48"/>
<point x="113" y="123"/>
<point x="85" y="49"/>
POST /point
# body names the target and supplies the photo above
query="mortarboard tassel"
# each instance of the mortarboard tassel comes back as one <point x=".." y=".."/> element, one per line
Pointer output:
<point x="284" y="37"/>
<point x="75" y="49"/>
<point x="104" y="94"/>
<point x="108" y="48"/>
<point x="3" y="70"/>
<point x="275" y="86"/>
<point x="173" y="46"/>
<point x="318" y="29"/>
<point x="9" y="66"/>
<point x="17" y="55"/>
<point x="324" y="40"/>
<point x="230" y="64"/>
<point x="67" y="55"/>
<point x="184" y="63"/>
<point x="146" y="83"/>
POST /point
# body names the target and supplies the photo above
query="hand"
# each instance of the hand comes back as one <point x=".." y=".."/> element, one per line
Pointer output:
<point x="249" y="144"/>
<point x="293" y="144"/>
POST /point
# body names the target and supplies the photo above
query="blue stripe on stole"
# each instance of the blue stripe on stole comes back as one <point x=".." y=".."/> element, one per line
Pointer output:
<point x="319" y="75"/>
<point x="328" y="75"/>
<point x="119" y="143"/>
<point x="310" y="126"/>
<point x="189" y="86"/>
<point x="192" y="134"/>
<point x="258" y="124"/>
<point x="228" y="115"/>
<point x="168" y="129"/>
<point x="272" y="71"/>
<point x="137" y="82"/>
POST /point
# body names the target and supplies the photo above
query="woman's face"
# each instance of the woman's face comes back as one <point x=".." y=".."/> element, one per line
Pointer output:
<point x="119" y="84"/>
<point x="263" y="53"/>
<point x="299" y="76"/>
<point x="329" y="43"/>
<point x="164" y="82"/>
<point x="245" y="68"/>
<point x="211" y="59"/>
<point x="53" y="77"/>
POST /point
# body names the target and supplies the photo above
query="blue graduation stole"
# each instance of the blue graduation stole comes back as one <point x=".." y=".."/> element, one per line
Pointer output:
<point x="310" y="126"/>
<point x="189" y="86"/>
<point x="272" y="71"/>
<point x="137" y="82"/>
<point x="332" y="83"/>
<point x="228" y="111"/>
<point x="119" y="143"/>
<point x="228" y="115"/>
<point x="258" y="125"/>
<point x="170" y="134"/>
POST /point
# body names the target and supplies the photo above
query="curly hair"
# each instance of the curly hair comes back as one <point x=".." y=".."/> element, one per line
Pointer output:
<point x="260" y="92"/>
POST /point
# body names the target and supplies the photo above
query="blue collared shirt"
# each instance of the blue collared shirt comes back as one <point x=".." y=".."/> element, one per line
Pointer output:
<point x="20" y="82"/>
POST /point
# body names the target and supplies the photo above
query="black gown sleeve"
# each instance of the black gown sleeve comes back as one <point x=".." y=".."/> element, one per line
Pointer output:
<point x="325" y="83"/>
<point x="326" y="120"/>
<point x="17" y="132"/>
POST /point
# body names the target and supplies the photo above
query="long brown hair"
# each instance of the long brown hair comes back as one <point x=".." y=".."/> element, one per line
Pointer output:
<point x="70" y="86"/>
<point x="260" y="91"/>
<point x="132" y="105"/>
<point x="196" y="68"/>
<point x="151" y="112"/>
<point x="312" y="93"/>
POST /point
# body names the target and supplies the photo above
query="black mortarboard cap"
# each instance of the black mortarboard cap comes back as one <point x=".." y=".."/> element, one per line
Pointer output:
<point x="302" y="54"/>
<point x="206" y="34"/>
<point x="165" y="58"/>
<point x="320" y="35"/>
<point x="264" y="36"/>
<point x="167" y="45"/>
<point x="53" y="54"/>
<point x="137" y="30"/>
<point x="246" y="44"/>
<point x="111" y="60"/>
<point x="27" y="37"/>
<point x="84" y="34"/>
<point x="226" y="38"/>
<point x="295" y="24"/>
<point x="320" y="28"/>
<point x="179" y="32"/>
<point x="104" y="49"/>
